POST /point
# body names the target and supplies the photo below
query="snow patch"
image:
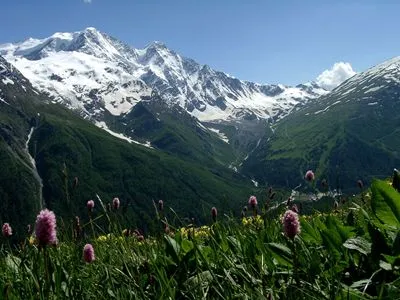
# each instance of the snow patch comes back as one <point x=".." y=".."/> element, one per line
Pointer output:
<point x="254" y="182"/>
<point x="34" y="168"/>
<point x="220" y="134"/>
<point x="4" y="101"/>
<point x="326" y="108"/>
<point x="104" y="126"/>
<point x="7" y="81"/>
<point x="373" y="103"/>
<point x="373" y="89"/>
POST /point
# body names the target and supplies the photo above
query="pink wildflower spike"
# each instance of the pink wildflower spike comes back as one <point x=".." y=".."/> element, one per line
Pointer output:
<point x="160" y="205"/>
<point x="166" y="229"/>
<point x="90" y="205"/>
<point x="6" y="229"/>
<point x="115" y="203"/>
<point x="253" y="202"/>
<point x="291" y="224"/>
<point x="309" y="175"/>
<point x="360" y="184"/>
<point x="88" y="253"/>
<point x="214" y="214"/>
<point x="45" y="229"/>
<point x="76" y="181"/>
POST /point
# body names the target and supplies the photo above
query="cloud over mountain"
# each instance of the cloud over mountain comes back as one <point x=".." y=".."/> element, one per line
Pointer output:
<point x="331" y="78"/>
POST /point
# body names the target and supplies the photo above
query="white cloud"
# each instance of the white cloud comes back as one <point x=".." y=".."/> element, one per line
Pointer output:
<point x="87" y="1"/>
<point x="329" y="79"/>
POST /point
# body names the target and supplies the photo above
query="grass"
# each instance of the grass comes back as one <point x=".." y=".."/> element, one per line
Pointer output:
<point x="349" y="253"/>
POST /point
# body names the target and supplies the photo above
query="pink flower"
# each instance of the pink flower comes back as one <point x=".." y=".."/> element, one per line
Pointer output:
<point x="309" y="175"/>
<point x="360" y="184"/>
<point x="75" y="182"/>
<point x="90" y="205"/>
<point x="291" y="224"/>
<point x="7" y="231"/>
<point x="88" y="253"/>
<point x="166" y="229"/>
<point x="160" y="205"/>
<point x="253" y="202"/>
<point x="115" y="203"/>
<point x="214" y="214"/>
<point x="45" y="230"/>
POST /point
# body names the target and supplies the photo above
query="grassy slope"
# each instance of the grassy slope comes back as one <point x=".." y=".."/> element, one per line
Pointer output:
<point x="351" y="140"/>
<point x="103" y="164"/>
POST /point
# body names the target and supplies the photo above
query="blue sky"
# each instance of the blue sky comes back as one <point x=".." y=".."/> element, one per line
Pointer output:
<point x="264" y="41"/>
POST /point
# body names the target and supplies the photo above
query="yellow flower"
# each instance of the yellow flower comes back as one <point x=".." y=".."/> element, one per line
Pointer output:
<point x="103" y="238"/>
<point x="32" y="240"/>
<point x="256" y="221"/>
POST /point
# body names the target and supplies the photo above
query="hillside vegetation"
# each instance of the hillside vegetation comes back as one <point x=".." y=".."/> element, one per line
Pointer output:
<point x="353" y="252"/>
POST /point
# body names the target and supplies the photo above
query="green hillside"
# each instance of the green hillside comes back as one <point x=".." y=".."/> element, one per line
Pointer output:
<point x="67" y="147"/>
<point x="349" y="134"/>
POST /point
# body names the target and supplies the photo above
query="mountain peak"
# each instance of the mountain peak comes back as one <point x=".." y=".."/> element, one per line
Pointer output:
<point x="90" y="29"/>
<point x="98" y="72"/>
<point x="157" y="44"/>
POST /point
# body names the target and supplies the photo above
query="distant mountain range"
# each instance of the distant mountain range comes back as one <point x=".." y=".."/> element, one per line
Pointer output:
<point x="53" y="157"/>
<point x="177" y="130"/>
<point x="97" y="74"/>
<point x="352" y="132"/>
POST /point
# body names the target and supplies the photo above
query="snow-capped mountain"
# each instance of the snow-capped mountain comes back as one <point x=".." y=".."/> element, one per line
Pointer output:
<point x="348" y="134"/>
<point x="94" y="72"/>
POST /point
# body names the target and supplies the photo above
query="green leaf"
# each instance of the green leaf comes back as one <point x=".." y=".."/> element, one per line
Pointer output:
<point x="111" y="293"/>
<point x="345" y="232"/>
<point x="379" y="242"/>
<point x="396" y="180"/>
<point x="13" y="262"/>
<point x="281" y="253"/>
<point x="385" y="203"/>
<point x="186" y="245"/>
<point x="309" y="233"/>
<point x="384" y="265"/>
<point x="172" y="248"/>
<point x="202" y="279"/>
<point x="393" y="260"/>
<point x="332" y="241"/>
<point x="359" y="244"/>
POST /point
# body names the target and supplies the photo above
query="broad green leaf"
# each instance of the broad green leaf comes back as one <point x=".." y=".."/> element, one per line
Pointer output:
<point x="281" y="253"/>
<point x="396" y="180"/>
<point x="393" y="260"/>
<point x="396" y="244"/>
<point x="359" y="244"/>
<point x="385" y="203"/>
<point x="13" y="263"/>
<point x="309" y="233"/>
<point x="187" y="245"/>
<point x="379" y="242"/>
<point x="172" y="248"/>
<point x="384" y="265"/>
<point x="202" y="279"/>
<point x="345" y="232"/>
<point x="332" y="242"/>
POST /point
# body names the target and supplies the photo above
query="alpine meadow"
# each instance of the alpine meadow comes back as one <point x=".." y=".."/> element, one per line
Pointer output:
<point x="139" y="173"/>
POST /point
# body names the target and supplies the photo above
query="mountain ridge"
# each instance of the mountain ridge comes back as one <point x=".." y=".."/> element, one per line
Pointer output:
<point x="93" y="71"/>
<point x="349" y="134"/>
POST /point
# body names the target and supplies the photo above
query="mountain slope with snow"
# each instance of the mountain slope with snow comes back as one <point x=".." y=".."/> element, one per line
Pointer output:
<point x="352" y="133"/>
<point x="45" y="147"/>
<point x="96" y="74"/>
